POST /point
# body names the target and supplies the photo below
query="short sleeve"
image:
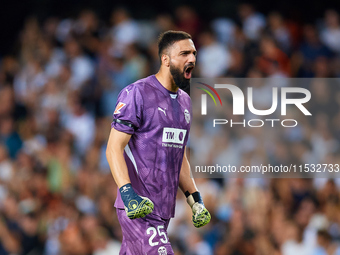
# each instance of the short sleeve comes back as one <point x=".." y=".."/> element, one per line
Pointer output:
<point x="128" y="111"/>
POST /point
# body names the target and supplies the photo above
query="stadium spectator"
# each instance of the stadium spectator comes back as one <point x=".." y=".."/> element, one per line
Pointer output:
<point x="330" y="33"/>
<point x="214" y="58"/>
<point x="253" y="22"/>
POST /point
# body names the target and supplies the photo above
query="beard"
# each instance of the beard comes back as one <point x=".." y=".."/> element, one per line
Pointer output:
<point x="179" y="78"/>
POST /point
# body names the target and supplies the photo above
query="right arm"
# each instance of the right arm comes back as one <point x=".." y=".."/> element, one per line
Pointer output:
<point x="135" y="205"/>
<point x="126" y="118"/>
<point x="114" y="154"/>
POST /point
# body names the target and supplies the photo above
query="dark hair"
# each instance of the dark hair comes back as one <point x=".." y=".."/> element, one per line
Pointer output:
<point x="324" y="234"/>
<point x="168" y="38"/>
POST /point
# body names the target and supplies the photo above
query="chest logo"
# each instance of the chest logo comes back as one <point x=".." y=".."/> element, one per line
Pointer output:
<point x="173" y="135"/>
<point x="162" y="110"/>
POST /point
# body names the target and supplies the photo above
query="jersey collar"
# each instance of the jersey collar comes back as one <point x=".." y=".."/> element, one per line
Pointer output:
<point x="172" y="94"/>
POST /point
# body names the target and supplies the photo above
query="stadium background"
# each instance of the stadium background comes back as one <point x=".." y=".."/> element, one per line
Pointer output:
<point x="62" y="65"/>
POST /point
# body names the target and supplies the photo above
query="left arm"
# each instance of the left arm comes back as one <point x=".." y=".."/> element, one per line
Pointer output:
<point x="200" y="216"/>
<point x="186" y="182"/>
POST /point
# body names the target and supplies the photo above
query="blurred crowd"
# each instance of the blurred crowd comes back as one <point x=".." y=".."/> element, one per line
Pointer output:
<point x="57" y="95"/>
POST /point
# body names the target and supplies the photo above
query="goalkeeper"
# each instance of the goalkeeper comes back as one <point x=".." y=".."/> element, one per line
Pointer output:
<point x="146" y="150"/>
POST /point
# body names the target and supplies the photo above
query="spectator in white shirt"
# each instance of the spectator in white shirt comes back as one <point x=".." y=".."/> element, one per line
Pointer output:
<point x="124" y="31"/>
<point x="214" y="58"/>
<point x="81" y="125"/>
<point x="82" y="68"/>
<point x="330" y="34"/>
<point x="252" y="22"/>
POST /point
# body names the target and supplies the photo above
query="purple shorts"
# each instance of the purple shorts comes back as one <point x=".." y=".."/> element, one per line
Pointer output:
<point x="144" y="236"/>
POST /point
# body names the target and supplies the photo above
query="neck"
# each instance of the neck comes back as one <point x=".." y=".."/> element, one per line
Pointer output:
<point x="165" y="78"/>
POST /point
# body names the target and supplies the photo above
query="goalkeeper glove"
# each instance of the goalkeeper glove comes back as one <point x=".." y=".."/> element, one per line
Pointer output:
<point x="135" y="206"/>
<point x="200" y="215"/>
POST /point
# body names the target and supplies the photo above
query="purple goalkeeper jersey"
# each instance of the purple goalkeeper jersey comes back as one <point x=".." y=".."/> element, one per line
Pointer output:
<point x="159" y="122"/>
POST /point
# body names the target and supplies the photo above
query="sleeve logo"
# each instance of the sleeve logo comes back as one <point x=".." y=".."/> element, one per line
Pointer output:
<point x="119" y="107"/>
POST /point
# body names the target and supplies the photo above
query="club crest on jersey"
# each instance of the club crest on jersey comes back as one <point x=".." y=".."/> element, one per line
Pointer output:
<point x="187" y="115"/>
<point x="162" y="251"/>
<point x="119" y="107"/>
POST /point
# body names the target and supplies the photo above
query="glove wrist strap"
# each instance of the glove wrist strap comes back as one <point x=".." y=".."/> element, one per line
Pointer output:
<point x="194" y="198"/>
<point x="125" y="188"/>
<point x="126" y="193"/>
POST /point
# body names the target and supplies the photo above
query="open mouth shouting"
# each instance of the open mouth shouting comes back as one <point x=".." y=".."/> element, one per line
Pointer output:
<point x="188" y="70"/>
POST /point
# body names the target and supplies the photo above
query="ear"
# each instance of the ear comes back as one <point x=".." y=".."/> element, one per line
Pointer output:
<point x="165" y="60"/>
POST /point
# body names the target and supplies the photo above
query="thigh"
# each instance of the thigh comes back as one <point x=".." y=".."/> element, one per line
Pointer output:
<point x="144" y="236"/>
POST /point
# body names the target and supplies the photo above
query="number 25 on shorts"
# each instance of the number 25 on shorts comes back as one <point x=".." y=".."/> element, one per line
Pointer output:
<point x="153" y="232"/>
